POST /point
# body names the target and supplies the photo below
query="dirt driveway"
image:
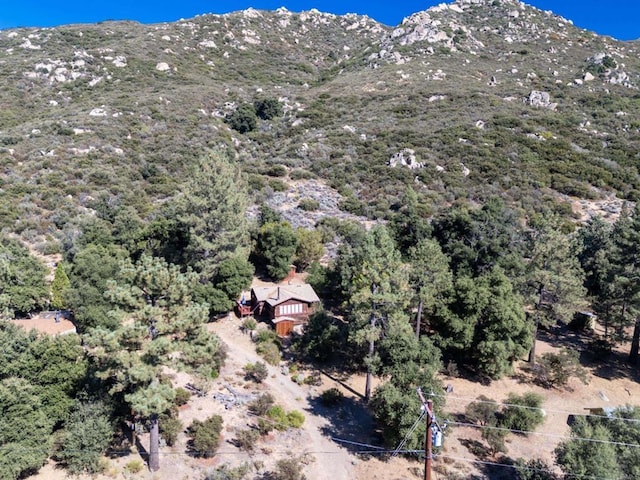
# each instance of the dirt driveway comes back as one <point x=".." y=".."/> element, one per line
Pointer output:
<point x="329" y="460"/>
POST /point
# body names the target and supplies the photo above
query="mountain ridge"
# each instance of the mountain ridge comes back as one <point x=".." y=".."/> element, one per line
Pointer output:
<point x="484" y="97"/>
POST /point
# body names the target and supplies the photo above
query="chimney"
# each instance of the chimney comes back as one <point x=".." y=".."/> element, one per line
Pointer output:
<point x="278" y="294"/>
<point x="291" y="275"/>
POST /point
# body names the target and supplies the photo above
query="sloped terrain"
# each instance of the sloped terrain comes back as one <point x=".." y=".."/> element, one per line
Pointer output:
<point x="480" y="98"/>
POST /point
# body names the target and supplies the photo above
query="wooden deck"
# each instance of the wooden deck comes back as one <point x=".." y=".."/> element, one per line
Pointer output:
<point x="243" y="309"/>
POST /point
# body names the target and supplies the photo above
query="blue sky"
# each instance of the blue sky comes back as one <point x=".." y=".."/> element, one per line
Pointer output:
<point x="618" y="18"/>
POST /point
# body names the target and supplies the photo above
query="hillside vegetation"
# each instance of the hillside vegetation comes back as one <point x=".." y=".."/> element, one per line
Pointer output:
<point x="120" y="111"/>
<point x="424" y="176"/>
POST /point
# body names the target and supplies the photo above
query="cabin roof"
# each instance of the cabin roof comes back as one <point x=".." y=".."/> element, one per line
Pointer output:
<point x="275" y="295"/>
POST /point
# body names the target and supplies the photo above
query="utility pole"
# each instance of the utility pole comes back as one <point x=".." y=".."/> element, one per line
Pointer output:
<point x="428" y="439"/>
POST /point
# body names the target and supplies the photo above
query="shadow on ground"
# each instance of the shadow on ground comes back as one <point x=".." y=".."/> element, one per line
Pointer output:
<point x="350" y="424"/>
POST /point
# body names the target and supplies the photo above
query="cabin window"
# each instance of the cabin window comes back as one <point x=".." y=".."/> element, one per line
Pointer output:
<point x="290" y="309"/>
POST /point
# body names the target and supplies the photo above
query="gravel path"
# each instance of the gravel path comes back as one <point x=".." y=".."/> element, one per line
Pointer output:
<point x="331" y="461"/>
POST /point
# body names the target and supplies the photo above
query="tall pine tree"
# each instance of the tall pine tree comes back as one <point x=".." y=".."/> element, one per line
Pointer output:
<point x="377" y="288"/>
<point x="160" y="325"/>
<point x="430" y="278"/>
<point x="60" y="288"/>
<point x="212" y="209"/>
<point x="625" y="284"/>
<point x="554" y="278"/>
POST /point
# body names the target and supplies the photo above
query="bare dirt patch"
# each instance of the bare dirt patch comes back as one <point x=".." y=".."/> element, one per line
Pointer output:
<point x="46" y="322"/>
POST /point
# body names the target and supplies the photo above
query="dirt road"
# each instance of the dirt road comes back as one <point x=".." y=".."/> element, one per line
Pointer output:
<point x="330" y="460"/>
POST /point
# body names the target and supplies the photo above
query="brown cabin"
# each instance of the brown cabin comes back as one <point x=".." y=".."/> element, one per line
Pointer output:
<point x="284" y="305"/>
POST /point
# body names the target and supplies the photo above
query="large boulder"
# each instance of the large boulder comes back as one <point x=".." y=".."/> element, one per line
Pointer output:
<point x="540" y="99"/>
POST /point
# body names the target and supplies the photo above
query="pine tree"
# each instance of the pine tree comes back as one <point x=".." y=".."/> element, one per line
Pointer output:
<point x="378" y="289"/>
<point x="309" y="247"/>
<point x="590" y="452"/>
<point x="597" y="257"/>
<point x="408" y="363"/>
<point x="160" y="325"/>
<point x="60" y="288"/>
<point x="430" y="277"/>
<point x="476" y="240"/>
<point x="25" y="429"/>
<point x="86" y="436"/>
<point x="410" y="224"/>
<point x="554" y="278"/>
<point x="23" y="287"/>
<point x="212" y="209"/>
<point x="624" y="288"/>
<point x="484" y="324"/>
<point x="276" y="246"/>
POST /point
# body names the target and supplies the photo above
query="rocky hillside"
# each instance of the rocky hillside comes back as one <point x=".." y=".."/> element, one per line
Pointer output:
<point x="462" y="101"/>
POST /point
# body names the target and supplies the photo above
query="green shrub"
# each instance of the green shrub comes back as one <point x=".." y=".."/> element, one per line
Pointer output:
<point x="265" y="426"/>
<point x="308" y="204"/>
<point x="182" y="396"/>
<point x="170" y="427"/>
<point x="288" y="469"/>
<point x="314" y="379"/>
<point x="257" y="372"/>
<point x="246" y="439"/>
<point x="279" y="419"/>
<point x="266" y="336"/>
<point x="295" y="419"/>
<point x="278" y="185"/>
<point x="205" y="436"/>
<point x="270" y="352"/>
<point x="278" y="416"/>
<point x="276" y="171"/>
<point x="261" y="405"/>
<point x="482" y="412"/>
<point x="331" y="397"/>
<point x="134" y="466"/>
<point x="523" y="413"/>
<point x="225" y="472"/>
<point x="267" y="108"/>
<point x="300" y="175"/>
<point x="555" y="369"/>
<point x="534" y="469"/>
<point x="268" y="346"/>
<point x="244" y="119"/>
<point x="352" y="205"/>
<point x="249" y="324"/>
<point x="495" y="438"/>
<point x="256" y="182"/>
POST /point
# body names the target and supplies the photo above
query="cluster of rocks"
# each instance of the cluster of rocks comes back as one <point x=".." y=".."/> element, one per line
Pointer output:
<point x="540" y="99"/>
<point x="286" y="203"/>
<point x="405" y="158"/>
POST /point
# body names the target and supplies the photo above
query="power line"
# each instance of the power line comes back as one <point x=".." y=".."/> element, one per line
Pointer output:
<point x="516" y="467"/>
<point x="546" y="410"/>
<point x="409" y="433"/>
<point x="552" y="435"/>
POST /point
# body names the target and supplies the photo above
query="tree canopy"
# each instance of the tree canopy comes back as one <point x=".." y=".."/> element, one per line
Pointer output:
<point x="23" y="287"/>
<point x="484" y="324"/>
<point x="212" y="208"/>
<point x="159" y="325"/>
<point x="25" y="429"/>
